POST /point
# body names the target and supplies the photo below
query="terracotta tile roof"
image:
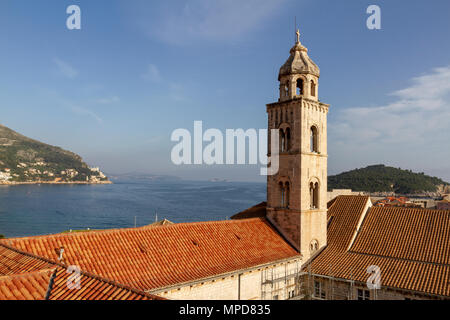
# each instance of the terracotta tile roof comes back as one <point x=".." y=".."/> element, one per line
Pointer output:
<point x="33" y="283"/>
<point x="343" y="216"/>
<point x="395" y="273"/>
<point x="421" y="235"/>
<point x="411" y="246"/>
<point x="28" y="286"/>
<point x="149" y="258"/>
<point x="13" y="262"/>
<point x="257" y="211"/>
<point x="93" y="288"/>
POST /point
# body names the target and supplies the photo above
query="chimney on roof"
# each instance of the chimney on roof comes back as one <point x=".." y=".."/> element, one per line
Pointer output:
<point x="60" y="252"/>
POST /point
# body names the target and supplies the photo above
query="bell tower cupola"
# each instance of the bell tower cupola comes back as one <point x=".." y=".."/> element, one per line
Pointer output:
<point x="299" y="75"/>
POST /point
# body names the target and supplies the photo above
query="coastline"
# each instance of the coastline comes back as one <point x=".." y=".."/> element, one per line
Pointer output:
<point x="13" y="183"/>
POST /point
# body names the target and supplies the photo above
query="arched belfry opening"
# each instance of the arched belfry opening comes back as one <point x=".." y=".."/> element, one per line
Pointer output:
<point x="300" y="85"/>
<point x="314" y="139"/>
<point x="313" y="88"/>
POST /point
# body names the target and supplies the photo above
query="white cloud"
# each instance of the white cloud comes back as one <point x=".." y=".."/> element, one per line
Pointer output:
<point x="65" y="69"/>
<point x="174" y="90"/>
<point x="86" y="112"/>
<point x="75" y="107"/>
<point x="413" y="130"/>
<point x="152" y="73"/>
<point x="218" y="20"/>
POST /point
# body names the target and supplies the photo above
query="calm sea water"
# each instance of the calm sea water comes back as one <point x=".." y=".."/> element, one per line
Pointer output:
<point x="46" y="209"/>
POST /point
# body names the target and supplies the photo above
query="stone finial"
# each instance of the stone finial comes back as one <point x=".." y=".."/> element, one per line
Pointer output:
<point x="298" y="36"/>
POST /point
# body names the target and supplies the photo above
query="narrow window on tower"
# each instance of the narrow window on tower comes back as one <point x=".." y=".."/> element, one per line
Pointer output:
<point x="286" y="89"/>
<point x="288" y="139"/>
<point x="282" y="141"/>
<point x="287" y="191"/>
<point x="313" y="88"/>
<point x="283" y="195"/>
<point x="299" y="87"/>
<point x="314" y="139"/>
<point x="314" y="195"/>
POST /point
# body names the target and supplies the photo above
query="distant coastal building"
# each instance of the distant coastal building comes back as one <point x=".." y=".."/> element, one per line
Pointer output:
<point x="443" y="205"/>
<point x="163" y="222"/>
<point x="97" y="170"/>
<point x="296" y="245"/>
<point x="342" y="192"/>
<point x="400" y="202"/>
<point x="5" y="176"/>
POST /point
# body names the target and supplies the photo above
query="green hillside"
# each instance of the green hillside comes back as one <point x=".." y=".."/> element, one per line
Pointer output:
<point x="380" y="178"/>
<point x="26" y="160"/>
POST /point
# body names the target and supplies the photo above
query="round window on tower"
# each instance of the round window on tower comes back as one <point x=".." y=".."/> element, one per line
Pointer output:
<point x="314" y="246"/>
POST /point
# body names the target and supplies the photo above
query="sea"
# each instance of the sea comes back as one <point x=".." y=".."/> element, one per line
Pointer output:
<point x="29" y="210"/>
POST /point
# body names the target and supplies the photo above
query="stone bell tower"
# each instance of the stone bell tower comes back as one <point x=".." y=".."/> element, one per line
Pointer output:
<point x="297" y="195"/>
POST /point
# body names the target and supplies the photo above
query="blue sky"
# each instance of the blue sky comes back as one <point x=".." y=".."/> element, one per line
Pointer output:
<point x="115" y="90"/>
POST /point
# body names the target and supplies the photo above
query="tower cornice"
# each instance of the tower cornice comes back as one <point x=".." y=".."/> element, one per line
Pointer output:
<point x="303" y="102"/>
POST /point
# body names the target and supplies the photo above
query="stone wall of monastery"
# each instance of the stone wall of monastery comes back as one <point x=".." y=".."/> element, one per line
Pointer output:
<point x="243" y="285"/>
<point x="342" y="290"/>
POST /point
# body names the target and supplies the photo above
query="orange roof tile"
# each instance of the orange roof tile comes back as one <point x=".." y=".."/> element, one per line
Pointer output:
<point x="257" y="211"/>
<point x="148" y="258"/>
<point x="34" y="284"/>
<point x="92" y="288"/>
<point x="411" y="246"/>
<point x="13" y="262"/>
<point x="395" y="273"/>
<point x="421" y="235"/>
<point x="343" y="216"/>
<point x="28" y="286"/>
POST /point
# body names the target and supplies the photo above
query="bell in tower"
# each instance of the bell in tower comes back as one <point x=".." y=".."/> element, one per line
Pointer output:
<point x="297" y="195"/>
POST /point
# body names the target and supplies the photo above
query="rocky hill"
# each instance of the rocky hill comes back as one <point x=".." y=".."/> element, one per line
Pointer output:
<point x="24" y="160"/>
<point x="380" y="178"/>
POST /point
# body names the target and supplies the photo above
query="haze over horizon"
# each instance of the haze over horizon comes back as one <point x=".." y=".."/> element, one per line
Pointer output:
<point x="114" y="91"/>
